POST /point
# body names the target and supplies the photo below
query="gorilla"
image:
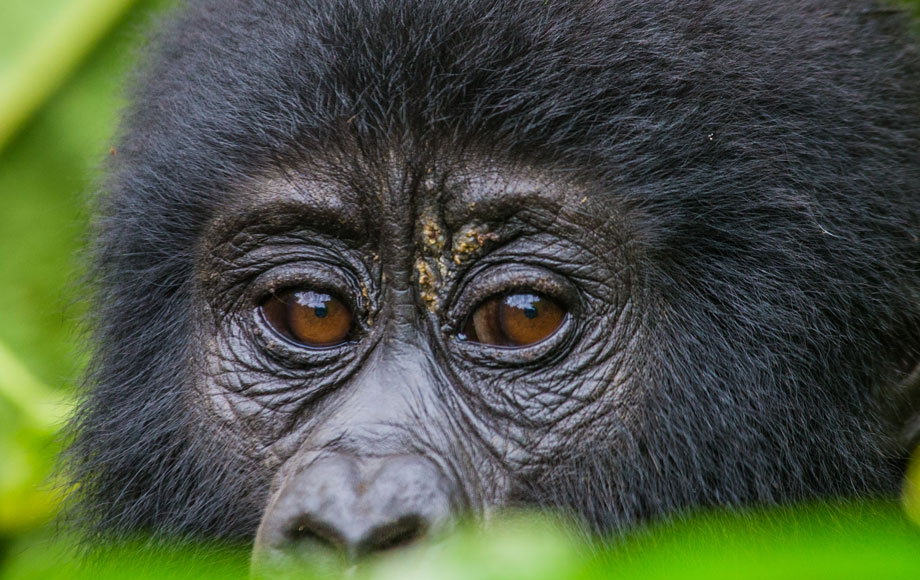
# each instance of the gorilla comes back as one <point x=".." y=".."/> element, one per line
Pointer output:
<point x="364" y="267"/>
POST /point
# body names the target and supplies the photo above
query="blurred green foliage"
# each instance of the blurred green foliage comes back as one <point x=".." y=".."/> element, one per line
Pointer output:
<point x="855" y="541"/>
<point x="62" y="66"/>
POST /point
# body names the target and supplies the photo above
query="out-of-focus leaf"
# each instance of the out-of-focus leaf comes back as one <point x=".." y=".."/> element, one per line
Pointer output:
<point x="38" y="406"/>
<point x="835" y="541"/>
<point x="30" y="414"/>
<point x="845" y="540"/>
<point x="45" y="175"/>
<point x="52" y="57"/>
<point x="911" y="495"/>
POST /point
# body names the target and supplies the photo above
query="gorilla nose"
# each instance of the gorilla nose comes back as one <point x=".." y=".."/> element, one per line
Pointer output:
<point x="349" y="507"/>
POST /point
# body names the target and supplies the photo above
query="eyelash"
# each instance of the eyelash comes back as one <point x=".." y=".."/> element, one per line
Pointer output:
<point x="505" y="279"/>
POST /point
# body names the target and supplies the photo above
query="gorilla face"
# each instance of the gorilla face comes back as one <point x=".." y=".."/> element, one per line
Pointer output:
<point x="408" y="348"/>
<point x="366" y="266"/>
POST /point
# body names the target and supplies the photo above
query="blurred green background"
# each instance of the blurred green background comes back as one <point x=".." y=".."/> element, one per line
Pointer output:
<point x="62" y="68"/>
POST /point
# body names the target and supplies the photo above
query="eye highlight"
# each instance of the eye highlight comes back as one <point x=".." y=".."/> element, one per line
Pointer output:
<point x="514" y="320"/>
<point x="313" y="319"/>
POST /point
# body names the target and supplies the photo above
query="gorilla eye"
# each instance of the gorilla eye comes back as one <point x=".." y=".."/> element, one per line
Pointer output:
<point x="514" y="320"/>
<point x="310" y="318"/>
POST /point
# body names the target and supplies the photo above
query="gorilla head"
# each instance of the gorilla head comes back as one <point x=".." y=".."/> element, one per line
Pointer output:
<point x="365" y="265"/>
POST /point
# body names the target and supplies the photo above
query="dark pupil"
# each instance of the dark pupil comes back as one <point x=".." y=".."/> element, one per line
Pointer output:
<point x="531" y="312"/>
<point x="321" y="311"/>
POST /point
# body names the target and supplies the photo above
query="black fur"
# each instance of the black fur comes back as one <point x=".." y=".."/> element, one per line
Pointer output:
<point x="767" y="155"/>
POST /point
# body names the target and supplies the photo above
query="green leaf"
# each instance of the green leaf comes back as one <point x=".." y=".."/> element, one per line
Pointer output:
<point x="66" y="41"/>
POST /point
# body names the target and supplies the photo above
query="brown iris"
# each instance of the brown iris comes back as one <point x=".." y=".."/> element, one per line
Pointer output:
<point x="310" y="318"/>
<point x="514" y="320"/>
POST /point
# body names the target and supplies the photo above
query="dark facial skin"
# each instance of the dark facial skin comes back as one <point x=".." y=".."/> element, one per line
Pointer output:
<point x="374" y="266"/>
<point x="466" y="422"/>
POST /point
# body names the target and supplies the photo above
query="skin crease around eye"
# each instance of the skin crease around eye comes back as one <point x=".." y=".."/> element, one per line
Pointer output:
<point x="514" y="320"/>
<point x="309" y="318"/>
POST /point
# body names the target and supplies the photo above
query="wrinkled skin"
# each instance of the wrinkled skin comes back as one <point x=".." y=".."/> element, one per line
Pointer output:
<point x="722" y="196"/>
<point x="408" y="386"/>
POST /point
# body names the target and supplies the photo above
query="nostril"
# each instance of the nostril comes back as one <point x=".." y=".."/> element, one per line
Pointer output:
<point x="403" y="532"/>
<point x="305" y="531"/>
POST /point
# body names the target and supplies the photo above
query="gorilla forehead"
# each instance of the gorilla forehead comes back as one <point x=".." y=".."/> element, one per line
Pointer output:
<point x="348" y="202"/>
